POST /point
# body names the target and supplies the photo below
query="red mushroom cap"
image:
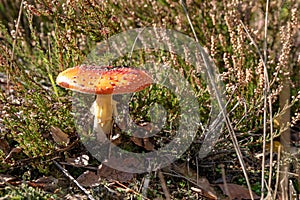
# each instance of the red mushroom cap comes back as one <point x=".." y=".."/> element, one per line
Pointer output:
<point x="104" y="80"/>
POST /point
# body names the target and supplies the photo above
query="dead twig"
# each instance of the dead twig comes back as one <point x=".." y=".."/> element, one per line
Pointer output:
<point x="164" y="185"/>
<point x="14" y="43"/>
<point x="66" y="173"/>
<point x="220" y="102"/>
<point x="267" y="101"/>
<point x="224" y="180"/>
<point x="146" y="184"/>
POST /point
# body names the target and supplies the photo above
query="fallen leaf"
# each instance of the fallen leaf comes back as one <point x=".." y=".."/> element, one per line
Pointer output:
<point x="206" y="189"/>
<point x="148" y="145"/>
<point x="237" y="191"/>
<point x="45" y="182"/>
<point x="59" y="136"/>
<point x="137" y="141"/>
<point x="4" y="146"/>
<point x="113" y="174"/>
<point x="89" y="179"/>
<point x="143" y="142"/>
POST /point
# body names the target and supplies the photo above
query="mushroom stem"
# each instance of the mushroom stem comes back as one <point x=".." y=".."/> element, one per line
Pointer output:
<point x="103" y="109"/>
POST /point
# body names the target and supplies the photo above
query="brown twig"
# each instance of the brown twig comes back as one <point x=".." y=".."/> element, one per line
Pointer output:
<point x="25" y="161"/>
<point x="66" y="173"/>
<point x="225" y="181"/>
<point x="277" y="173"/>
<point x="14" y="43"/>
<point x="164" y="185"/>
<point x="220" y="102"/>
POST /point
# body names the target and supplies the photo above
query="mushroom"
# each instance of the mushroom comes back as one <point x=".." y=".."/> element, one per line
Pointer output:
<point x="104" y="82"/>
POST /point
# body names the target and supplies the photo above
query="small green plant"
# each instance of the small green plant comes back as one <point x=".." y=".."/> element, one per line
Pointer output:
<point x="25" y="192"/>
<point x="39" y="39"/>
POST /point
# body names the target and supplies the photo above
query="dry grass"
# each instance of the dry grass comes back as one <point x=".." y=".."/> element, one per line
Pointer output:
<point x="54" y="35"/>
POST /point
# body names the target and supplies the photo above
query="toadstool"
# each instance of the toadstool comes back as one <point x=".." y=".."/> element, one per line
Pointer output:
<point x="104" y="82"/>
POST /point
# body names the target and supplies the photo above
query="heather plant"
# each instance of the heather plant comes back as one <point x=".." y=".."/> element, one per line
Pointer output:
<point x="39" y="39"/>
